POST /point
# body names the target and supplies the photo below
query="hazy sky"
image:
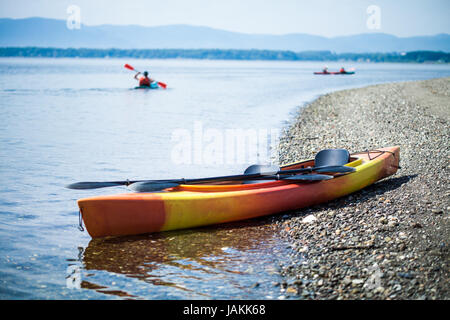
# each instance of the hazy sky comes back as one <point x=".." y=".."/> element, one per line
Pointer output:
<point x="320" y="17"/>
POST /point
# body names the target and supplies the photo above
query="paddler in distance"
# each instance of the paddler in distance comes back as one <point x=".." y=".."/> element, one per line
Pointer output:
<point x="144" y="81"/>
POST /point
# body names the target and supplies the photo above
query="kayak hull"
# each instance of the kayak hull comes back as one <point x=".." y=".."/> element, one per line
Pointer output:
<point x="153" y="85"/>
<point x="188" y="206"/>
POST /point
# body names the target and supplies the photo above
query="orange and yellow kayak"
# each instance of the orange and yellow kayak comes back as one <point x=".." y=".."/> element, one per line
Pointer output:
<point x="188" y="206"/>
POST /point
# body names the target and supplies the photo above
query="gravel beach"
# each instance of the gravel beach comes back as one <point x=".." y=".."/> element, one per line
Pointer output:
<point x="391" y="239"/>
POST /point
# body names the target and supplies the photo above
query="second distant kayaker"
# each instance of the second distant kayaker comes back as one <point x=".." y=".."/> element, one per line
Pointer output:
<point x="325" y="69"/>
<point x="342" y="70"/>
<point x="144" y="81"/>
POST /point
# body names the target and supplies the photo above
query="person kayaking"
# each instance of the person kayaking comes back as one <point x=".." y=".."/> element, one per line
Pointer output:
<point x="342" y="70"/>
<point x="325" y="69"/>
<point x="144" y="81"/>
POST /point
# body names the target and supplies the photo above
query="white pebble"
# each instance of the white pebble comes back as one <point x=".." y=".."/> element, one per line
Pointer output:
<point x="309" y="219"/>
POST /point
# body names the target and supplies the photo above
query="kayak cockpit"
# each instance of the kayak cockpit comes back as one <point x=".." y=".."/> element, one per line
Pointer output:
<point x="223" y="186"/>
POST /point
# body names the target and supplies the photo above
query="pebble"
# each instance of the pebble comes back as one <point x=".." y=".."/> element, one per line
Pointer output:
<point x="308" y="219"/>
<point x="379" y="290"/>
<point x="357" y="281"/>
<point x="291" y="290"/>
<point x="383" y="220"/>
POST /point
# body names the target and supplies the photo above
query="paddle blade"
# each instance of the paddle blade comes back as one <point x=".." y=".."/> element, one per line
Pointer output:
<point x="128" y="66"/>
<point x="94" y="185"/>
<point x="263" y="169"/>
<point x="309" y="177"/>
<point x="162" y="84"/>
<point x="335" y="169"/>
<point x="152" y="186"/>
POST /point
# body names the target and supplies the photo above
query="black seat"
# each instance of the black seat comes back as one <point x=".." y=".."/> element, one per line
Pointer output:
<point x="331" y="157"/>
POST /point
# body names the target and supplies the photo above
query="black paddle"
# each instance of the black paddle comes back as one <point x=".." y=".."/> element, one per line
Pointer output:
<point x="174" y="182"/>
<point x="326" y="161"/>
<point x="150" y="186"/>
<point x="259" y="169"/>
<point x="159" y="186"/>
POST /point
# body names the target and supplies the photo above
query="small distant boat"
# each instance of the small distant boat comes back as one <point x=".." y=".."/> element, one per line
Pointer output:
<point x="153" y="85"/>
<point x="346" y="72"/>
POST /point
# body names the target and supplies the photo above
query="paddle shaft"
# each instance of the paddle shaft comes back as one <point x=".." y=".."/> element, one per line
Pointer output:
<point x="240" y="177"/>
<point x="268" y="175"/>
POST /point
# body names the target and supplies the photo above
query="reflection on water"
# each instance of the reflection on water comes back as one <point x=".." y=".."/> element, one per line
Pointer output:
<point x="220" y="262"/>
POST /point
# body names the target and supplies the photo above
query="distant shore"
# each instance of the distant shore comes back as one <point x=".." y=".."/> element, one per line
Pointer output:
<point x="400" y="225"/>
<point x="226" y="54"/>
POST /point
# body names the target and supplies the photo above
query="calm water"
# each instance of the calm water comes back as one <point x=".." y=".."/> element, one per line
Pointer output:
<point x="68" y="120"/>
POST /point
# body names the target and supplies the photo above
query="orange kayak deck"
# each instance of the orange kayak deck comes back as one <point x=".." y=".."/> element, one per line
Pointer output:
<point x="188" y="206"/>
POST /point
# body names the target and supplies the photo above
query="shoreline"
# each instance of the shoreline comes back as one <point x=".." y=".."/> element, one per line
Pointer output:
<point x="400" y="224"/>
<point x="106" y="58"/>
<point x="423" y="56"/>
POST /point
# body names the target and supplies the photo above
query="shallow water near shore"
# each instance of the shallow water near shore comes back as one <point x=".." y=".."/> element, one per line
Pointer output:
<point x="68" y="120"/>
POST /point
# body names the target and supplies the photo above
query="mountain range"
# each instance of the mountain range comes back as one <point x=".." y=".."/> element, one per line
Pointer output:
<point x="42" y="32"/>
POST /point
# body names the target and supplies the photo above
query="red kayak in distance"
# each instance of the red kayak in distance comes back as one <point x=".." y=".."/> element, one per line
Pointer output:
<point x="347" y="72"/>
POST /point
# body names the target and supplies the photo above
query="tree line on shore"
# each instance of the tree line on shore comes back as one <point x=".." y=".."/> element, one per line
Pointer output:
<point x="226" y="54"/>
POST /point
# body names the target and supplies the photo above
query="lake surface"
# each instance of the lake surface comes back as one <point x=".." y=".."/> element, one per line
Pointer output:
<point x="68" y="120"/>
